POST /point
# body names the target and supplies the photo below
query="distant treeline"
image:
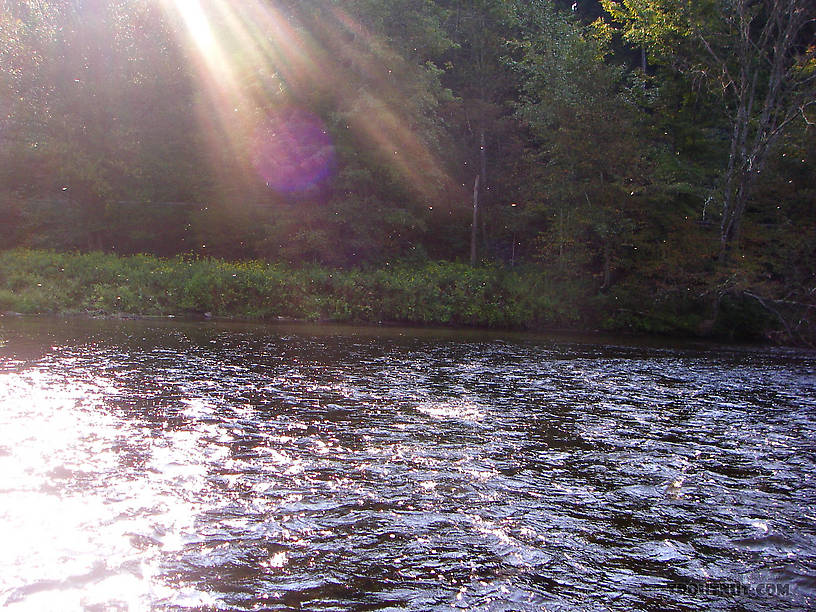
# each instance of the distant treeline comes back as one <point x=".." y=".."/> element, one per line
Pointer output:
<point x="658" y="156"/>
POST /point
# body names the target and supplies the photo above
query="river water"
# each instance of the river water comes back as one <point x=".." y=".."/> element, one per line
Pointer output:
<point x="170" y="465"/>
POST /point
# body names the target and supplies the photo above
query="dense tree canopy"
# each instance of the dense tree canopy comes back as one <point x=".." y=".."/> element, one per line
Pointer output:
<point x="655" y="149"/>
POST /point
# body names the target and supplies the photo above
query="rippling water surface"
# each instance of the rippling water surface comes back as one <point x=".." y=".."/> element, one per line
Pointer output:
<point x="207" y="466"/>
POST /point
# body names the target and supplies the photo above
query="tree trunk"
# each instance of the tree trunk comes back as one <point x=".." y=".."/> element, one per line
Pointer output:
<point x="607" y="263"/>
<point x="561" y="238"/>
<point x="475" y="227"/>
<point x="484" y="200"/>
<point x="482" y="159"/>
<point x="766" y="54"/>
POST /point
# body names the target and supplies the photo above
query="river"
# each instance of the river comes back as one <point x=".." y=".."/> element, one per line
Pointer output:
<point x="176" y="465"/>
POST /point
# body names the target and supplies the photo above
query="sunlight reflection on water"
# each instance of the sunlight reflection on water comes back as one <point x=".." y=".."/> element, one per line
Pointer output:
<point x="464" y="411"/>
<point x="77" y="526"/>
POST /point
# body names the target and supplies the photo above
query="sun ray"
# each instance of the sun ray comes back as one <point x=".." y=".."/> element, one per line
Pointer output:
<point x="254" y="63"/>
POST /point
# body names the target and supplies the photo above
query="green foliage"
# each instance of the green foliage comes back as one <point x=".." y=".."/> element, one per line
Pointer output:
<point x="660" y="25"/>
<point x="604" y="173"/>
<point x="757" y="57"/>
<point x="581" y="198"/>
<point x="434" y="293"/>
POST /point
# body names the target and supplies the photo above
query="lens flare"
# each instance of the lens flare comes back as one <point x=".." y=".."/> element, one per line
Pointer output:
<point x="292" y="151"/>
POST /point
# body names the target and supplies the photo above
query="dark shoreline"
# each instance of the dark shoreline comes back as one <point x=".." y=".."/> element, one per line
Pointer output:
<point x="408" y="330"/>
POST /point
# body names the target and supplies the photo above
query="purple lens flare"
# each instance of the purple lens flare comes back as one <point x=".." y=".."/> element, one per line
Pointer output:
<point x="292" y="151"/>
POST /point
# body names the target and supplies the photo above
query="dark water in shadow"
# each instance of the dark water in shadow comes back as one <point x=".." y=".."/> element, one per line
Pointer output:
<point x="168" y="466"/>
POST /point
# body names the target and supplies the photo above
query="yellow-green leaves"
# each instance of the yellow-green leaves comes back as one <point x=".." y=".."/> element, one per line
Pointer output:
<point x="657" y="25"/>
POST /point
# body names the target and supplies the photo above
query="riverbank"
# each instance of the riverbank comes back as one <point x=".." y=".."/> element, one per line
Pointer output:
<point x="426" y="293"/>
<point x="435" y="293"/>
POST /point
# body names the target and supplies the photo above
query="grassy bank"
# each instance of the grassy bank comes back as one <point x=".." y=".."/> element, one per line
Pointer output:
<point x="422" y="293"/>
<point x="433" y="293"/>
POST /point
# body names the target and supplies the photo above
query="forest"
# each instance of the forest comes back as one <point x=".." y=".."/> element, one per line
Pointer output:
<point x="629" y="165"/>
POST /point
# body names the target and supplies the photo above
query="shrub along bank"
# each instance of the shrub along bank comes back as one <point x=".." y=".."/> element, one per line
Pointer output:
<point x="435" y="293"/>
<point x="423" y="293"/>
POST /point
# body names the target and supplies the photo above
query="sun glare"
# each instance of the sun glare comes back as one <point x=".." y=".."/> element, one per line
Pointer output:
<point x="258" y="66"/>
<point x="198" y="26"/>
